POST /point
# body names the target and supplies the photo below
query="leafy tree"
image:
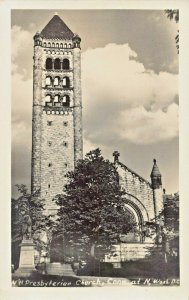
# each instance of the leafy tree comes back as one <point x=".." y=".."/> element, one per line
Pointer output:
<point x="92" y="214"/>
<point x="173" y="14"/>
<point x="34" y="206"/>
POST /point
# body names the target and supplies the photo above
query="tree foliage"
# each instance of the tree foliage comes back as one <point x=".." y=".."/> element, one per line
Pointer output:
<point x="34" y="206"/>
<point x="173" y="14"/>
<point x="92" y="211"/>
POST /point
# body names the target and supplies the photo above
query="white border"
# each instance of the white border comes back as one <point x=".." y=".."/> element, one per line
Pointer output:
<point x="8" y="292"/>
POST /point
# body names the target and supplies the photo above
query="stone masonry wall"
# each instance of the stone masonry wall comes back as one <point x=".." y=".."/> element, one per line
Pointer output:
<point x="56" y="156"/>
<point x="78" y="105"/>
<point x="57" y="133"/>
<point x="36" y="120"/>
<point x="137" y="187"/>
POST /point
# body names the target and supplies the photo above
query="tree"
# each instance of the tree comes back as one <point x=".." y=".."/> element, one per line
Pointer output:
<point x="173" y="14"/>
<point x="34" y="206"/>
<point x="92" y="214"/>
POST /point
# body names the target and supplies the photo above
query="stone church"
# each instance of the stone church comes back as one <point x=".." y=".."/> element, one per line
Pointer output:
<point x="57" y="131"/>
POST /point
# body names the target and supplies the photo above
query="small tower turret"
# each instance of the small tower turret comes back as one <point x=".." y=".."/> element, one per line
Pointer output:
<point x="156" y="182"/>
<point x="155" y="176"/>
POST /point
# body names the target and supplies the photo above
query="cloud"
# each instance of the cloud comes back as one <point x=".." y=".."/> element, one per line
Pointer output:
<point x="21" y="50"/>
<point x="123" y="100"/>
<point x="156" y="125"/>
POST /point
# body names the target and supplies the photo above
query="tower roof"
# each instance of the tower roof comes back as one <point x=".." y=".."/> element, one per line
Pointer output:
<point x="155" y="170"/>
<point x="57" y="29"/>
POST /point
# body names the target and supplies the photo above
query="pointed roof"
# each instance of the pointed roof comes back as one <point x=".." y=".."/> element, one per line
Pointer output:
<point x="155" y="170"/>
<point x="57" y="29"/>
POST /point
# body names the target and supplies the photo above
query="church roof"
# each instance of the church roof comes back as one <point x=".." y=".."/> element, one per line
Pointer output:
<point x="57" y="29"/>
<point x="134" y="173"/>
<point x="155" y="170"/>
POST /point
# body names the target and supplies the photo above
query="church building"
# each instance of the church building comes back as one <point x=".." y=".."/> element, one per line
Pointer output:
<point x="57" y="141"/>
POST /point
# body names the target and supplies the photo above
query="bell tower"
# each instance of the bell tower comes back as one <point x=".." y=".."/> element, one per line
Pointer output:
<point x="57" y="109"/>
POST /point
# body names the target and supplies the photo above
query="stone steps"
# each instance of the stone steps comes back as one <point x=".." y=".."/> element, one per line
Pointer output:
<point x="130" y="251"/>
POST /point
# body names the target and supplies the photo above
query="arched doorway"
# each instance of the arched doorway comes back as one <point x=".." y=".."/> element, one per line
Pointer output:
<point x="133" y="236"/>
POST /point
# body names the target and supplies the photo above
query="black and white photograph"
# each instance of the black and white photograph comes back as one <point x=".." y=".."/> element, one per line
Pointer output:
<point x="95" y="148"/>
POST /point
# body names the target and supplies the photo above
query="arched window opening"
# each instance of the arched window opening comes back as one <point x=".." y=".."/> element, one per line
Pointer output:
<point x="49" y="44"/>
<point x="56" y="81"/>
<point x="56" y="98"/>
<point x="53" y="45"/>
<point x="66" y="82"/>
<point x="49" y="63"/>
<point x="48" y="80"/>
<point x="69" y="46"/>
<point x="65" y="45"/>
<point x="57" y="45"/>
<point x="48" y="101"/>
<point x="48" y="98"/>
<point x="61" y="45"/>
<point x="57" y="64"/>
<point x="66" y="101"/>
<point x="45" y="44"/>
<point x="66" y="64"/>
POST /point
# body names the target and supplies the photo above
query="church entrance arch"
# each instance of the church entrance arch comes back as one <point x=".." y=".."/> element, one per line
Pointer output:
<point x="139" y="213"/>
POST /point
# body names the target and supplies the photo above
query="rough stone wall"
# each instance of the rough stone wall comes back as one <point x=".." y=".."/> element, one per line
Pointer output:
<point x="57" y="146"/>
<point x="57" y="158"/>
<point x="78" y="105"/>
<point x="137" y="187"/>
<point x="36" y="119"/>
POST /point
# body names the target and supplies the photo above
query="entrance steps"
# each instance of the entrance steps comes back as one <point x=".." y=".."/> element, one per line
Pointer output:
<point x="130" y="252"/>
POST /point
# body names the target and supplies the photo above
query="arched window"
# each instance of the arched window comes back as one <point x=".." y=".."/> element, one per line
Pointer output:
<point x="56" y="98"/>
<point x="65" y="45"/>
<point x="49" y="44"/>
<point x="66" y="64"/>
<point x="69" y="46"/>
<point x="57" y="45"/>
<point x="45" y="44"/>
<point x="57" y="65"/>
<point x="66" y="101"/>
<point x="56" y="81"/>
<point x="49" y="63"/>
<point x="61" y="45"/>
<point x="53" y="45"/>
<point x="48" y="98"/>
<point x="48" y="80"/>
<point x="66" y="82"/>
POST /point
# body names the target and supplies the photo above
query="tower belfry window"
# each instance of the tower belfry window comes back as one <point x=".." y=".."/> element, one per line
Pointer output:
<point x="66" y="100"/>
<point x="48" y="80"/>
<point x="56" y="98"/>
<point x="66" y="64"/>
<point x="66" y="82"/>
<point x="56" y="81"/>
<point x="49" y="64"/>
<point x="57" y="64"/>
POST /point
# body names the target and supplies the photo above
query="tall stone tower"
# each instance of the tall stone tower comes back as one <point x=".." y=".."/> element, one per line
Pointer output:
<point x="57" y="109"/>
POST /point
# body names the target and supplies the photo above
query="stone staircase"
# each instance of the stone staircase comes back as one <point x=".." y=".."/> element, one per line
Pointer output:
<point x="129" y="252"/>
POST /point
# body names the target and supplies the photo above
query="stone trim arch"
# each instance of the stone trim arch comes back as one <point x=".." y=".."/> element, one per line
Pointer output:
<point x="138" y="206"/>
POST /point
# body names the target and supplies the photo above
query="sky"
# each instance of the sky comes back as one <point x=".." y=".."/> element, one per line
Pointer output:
<point x="129" y="88"/>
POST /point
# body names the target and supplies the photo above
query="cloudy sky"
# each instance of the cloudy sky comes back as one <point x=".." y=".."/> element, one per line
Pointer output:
<point x="129" y="87"/>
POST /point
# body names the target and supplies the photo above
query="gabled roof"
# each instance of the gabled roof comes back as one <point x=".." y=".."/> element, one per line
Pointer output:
<point x="57" y="29"/>
<point x="134" y="173"/>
